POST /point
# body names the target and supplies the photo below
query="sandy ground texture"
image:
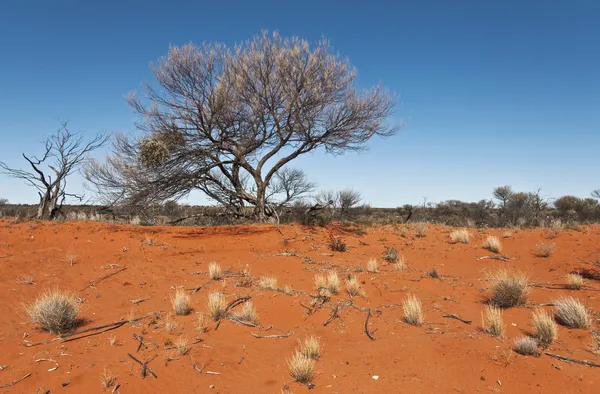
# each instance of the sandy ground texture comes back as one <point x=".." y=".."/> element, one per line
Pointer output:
<point x="108" y="267"/>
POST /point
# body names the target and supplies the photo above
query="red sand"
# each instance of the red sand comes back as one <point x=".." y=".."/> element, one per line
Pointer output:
<point x="444" y="355"/>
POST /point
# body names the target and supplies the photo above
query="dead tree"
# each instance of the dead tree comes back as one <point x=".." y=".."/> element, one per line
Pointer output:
<point x="64" y="153"/>
<point x="229" y="121"/>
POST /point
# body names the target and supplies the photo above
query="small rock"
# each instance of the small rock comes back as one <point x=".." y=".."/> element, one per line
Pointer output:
<point x="482" y="378"/>
<point x="212" y="386"/>
<point x="375" y="377"/>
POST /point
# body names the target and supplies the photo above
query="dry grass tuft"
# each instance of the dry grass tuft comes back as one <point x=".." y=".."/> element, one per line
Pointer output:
<point x="575" y="281"/>
<point x="544" y="250"/>
<point x="320" y="282"/>
<point x="267" y="283"/>
<point x="71" y="259"/>
<point x="181" y="344"/>
<point x="55" y="311"/>
<point x="181" y="302"/>
<point x="460" y="236"/>
<point x="26" y="280"/>
<point x="508" y="289"/>
<point x="492" y="244"/>
<point x="201" y="323"/>
<point x="247" y="314"/>
<point x="311" y="348"/>
<point x="507" y="234"/>
<point x="372" y="265"/>
<point x="492" y="321"/>
<point x="525" y="346"/>
<point x="170" y="325"/>
<point x="333" y="282"/>
<point x="150" y="241"/>
<point x="214" y="271"/>
<point x="353" y="286"/>
<point x="337" y="244"/>
<point x="216" y="306"/>
<point x="107" y="379"/>
<point x="420" y="229"/>
<point x="301" y="368"/>
<point x="401" y="265"/>
<point x="413" y="310"/>
<point x="572" y="313"/>
<point x="288" y="290"/>
<point x="546" y="328"/>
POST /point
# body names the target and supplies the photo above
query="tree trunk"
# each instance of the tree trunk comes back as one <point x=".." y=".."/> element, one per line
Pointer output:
<point x="260" y="213"/>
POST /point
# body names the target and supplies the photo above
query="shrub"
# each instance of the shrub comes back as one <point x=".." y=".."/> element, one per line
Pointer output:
<point x="462" y="236"/>
<point x="337" y="244"/>
<point x="545" y="326"/>
<point x="372" y="265"/>
<point x="311" y="348"/>
<point x="391" y="255"/>
<point x="268" y="283"/>
<point x="214" y="271"/>
<point x="434" y="273"/>
<point x="526" y="346"/>
<point x="413" y="311"/>
<point x="508" y="289"/>
<point x="181" y="302"/>
<point x="492" y="321"/>
<point x="575" y="281"/>
<point x="493" y="244"/>
<point x="353" y="286"/>
<point x="216" y="306"/>
<point x="301" y="368"/>
<point x="55" y="311"/>
<point x="572" y="313"/>
<point x="544" y="250"/>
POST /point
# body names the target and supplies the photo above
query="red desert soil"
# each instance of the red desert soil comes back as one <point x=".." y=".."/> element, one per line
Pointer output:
<point x="442" y="356"/>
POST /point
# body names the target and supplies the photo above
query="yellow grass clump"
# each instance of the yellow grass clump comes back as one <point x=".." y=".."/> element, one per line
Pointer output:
<point x="247" y="314"/>
<point x="544" y="250"/>
<point x="508" y="289"/>
<point x="372" y="266"/>
<point x="216" y="306"/>
<point x="333" y="282"/>
<point x="353" y="286"/>
<point x="55" y="311"/>
<point x="460" y="236"/>
<point x="214" y="271"/>
<point x="201" y="323"/>
<point x="546" y="328"/>
<point x="575" y="281"/>
<point x="181" y="344"/>
<point x="301" y="368"/>
<point x="311" y="348"/>
<point x="525" y="346"/>
<point x="492" y="243"/>
<point x="492" y="321"/>
<point x="572" y="313"/>
<point x="401" y="264"/>
<point x="181" y="302"/>
<point x="267" y="283"/>
<point x="413" y="310"/>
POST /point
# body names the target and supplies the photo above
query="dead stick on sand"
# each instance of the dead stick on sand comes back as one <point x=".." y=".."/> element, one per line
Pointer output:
<point x="367" y="325"/>
<point x="272" y="336"/>
<point x="453" y="316"/>
<point x="95" y="282"/>
<point x="145" y="368"/>
<point x="332" y="316"/>
<point x="15" y="382"/>
<point x="200" y="286"/>
<point x="503" y="258"/>
<point x="571" y="360"/>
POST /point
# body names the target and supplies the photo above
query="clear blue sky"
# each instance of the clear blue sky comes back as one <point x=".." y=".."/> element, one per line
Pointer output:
<point x="494" y="92"/>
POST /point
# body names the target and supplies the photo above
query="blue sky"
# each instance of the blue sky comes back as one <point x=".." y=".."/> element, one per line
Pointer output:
<point x="493" y="92"/>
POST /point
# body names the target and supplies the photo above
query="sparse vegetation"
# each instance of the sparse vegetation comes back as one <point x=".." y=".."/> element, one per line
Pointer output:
<point x="507" y="289"/>
<point x="288" y="290"/>
<point x="107" y="379"/>
<point x="575" y="281"/>
<point x="267" y="283"/>
<point x="337" y="244"/>
<point x="353" y="286"/>
<point x="201" y="323"/>
<point x="413" y="310"/>
<point x="492" y="243"/>
<point x="301" y="368"/>
<point x="420" y="229"/>
<point x="214" y="271"/>
<point x="181" y="302"/>
<point x="434" y="273"/>
<point x="55" y="311"/>
<point x="460" y="236"/>
<point x="525" y="346"/>
<point x="544" y="250"/>
<point x="311" y="348"/>
<point x="320" y="282"/>
<point x="571" y="313"/>
<point x="216" y="306"/>
<point x="182" y="345"/>
<point x="25" y="279"/>
<point x="333" y="282"/>
<point x="401" y="265"/>
<point x="391" y="255"/>
<point x="170" y="325"/>
<point x="247" y="313"/>
<point x="545" y="327"/>
<point x="492" y="321"/>
<point x="71" y="259"/>
<point x="372" y="266"/>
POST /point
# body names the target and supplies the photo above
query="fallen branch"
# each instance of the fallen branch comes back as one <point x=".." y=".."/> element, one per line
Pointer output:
<point x="453" y="316"/>
<point x="367" y="325"/>
<point x="236" y="302"/>
<point x="572" y="360"/>
<point x="94" y="283"/>
<point x="145" y="368"/>
<point x="243" y="323"/>
<point x="272" y="336"/>
<point x="494" y="257"/>
<point x="15" y="382"/>
<point x="212" y="373"/>
<point x="332" y="316"/>
<point x="200" y="286"/>
<point x="139" y="300"/>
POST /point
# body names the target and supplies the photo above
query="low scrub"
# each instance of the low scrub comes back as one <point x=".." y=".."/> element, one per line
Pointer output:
<point x="247" y="313"/>
<point x="544" y="250"/>
<point x="571" y="313"/>
<point x="353" y="286"/>
<point x="460" y="236"/>
<point x="507" y="288"/>
<point x="493" y="244"/>
<point x="492" y="321"/>
<point x="181" y="302"/>
<point x="214" y="271"/>
<point x="413" y="310"/>
<point x="546" y="328"/>
<point x="55" y="311"/>
<point x="311" y="348"/>
<point x="216" y="306"/>
<point x="372" y="266"/>
<point x="301" y="368"/>
<point x="575" y="281"/>
<point x="525" y="346"/>
<point x="337" y="244"/>
<point x="391" y="255"/>
<point x="267" y="283"/>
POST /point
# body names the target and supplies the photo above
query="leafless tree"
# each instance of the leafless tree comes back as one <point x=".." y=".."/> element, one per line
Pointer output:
<point x="3" y="201"/>
<point x="348" y="198"/>
<point x="596" y="194"/>
<point x="64" y="153"/>
<point x="228" y="121"/>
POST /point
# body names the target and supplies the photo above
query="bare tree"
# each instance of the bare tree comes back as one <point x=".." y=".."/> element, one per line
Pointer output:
<point x="227" y="122"/>
<point x="3" y="201"/>
<point x="596" y="194"/>
<point x="64" y="153"/>
<point x="348" y="198"/>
